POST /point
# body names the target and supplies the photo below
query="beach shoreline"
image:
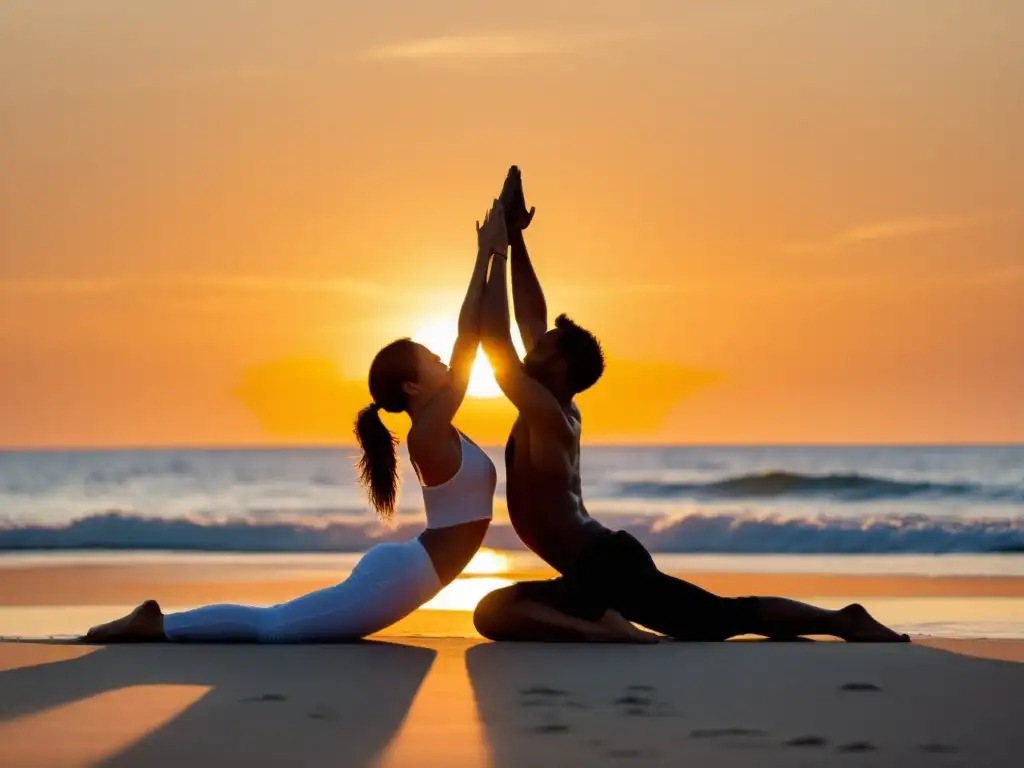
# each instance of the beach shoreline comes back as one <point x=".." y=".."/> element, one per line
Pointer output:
<point x="44" y="599"/>
<point x="74" y="584"/>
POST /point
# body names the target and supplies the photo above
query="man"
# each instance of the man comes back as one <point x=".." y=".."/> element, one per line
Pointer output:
<point x="606" y="575"/>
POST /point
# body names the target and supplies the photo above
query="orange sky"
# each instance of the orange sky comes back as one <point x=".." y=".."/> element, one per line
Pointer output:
<point x="789" y="221"/>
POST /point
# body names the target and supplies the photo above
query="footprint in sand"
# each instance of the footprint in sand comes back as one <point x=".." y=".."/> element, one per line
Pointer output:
<point x="633" y="705"/>
<point x="633" y="701"/>
<point x="716" y="733"/>
<point x="805" y="741"/>
<point x="266" y="697"/>
<point x="542" y="690"/>
<point x="541" y="696"/>
<point x="551" y="728"/>
<point x="636" y="705"/>
<point x="940" y="749"/>
<point x="859" y="687"/>
<point x="858" y="746"/>
<point x="631" y="753"/>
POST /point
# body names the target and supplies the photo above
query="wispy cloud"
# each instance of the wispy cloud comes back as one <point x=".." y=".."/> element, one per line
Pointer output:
<point x="1001" y="275"/>
<point x="883" y="230"/>
<point x="58" y="287"/>
<point x="488" y="46"/>
<point x="695" y="21"/>
<point x="98" y="286"/>
<point x="212" y="286"/>
<point x="620" y="289"/>
<point x="215" y="283"/>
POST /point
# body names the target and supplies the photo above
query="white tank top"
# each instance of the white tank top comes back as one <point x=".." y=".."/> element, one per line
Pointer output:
<point x="468" y="495"/>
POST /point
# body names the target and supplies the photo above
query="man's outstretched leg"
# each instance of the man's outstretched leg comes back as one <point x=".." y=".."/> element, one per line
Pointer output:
<point x="645" y="595"/>
<point x="778" y="617"/>
<point x="669" y="606"/>
<point x="620" y="569"/>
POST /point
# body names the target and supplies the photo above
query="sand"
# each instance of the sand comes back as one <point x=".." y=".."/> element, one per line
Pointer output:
<point x="419" y="696"/>
<point x="463" y="702"/>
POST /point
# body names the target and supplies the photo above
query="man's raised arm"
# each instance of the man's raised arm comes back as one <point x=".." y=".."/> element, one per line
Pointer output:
<point x="528" y="297"/>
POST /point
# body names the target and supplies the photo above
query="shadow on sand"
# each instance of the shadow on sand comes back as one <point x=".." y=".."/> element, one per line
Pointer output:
<point x="316" y="705"/>
<point x="741" y="702"/>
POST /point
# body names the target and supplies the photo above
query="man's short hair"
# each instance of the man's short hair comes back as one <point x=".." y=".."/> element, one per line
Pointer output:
<point x="582" y="353"/>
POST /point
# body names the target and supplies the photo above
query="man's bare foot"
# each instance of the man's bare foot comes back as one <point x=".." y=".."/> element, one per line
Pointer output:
<point x="616" y="629"/>
<point x="144" y="624"/>
<point x="512" y="199"/>
<point x="859" y="626"/>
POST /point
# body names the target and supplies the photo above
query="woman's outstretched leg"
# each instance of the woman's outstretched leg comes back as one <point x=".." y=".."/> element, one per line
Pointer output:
<point x="212" y="623"/>
<point x="218" y="623"/>
<point x="144" y="624"/>
<point x="388" y="583"/>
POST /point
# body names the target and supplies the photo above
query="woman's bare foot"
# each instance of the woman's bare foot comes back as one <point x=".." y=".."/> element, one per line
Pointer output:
<point x="859" y="626"/>
<point x="616" y="629"/>
<point x="144" y="624"/>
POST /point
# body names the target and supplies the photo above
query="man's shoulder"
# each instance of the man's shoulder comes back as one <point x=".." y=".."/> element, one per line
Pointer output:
<point x="573" y="411"/>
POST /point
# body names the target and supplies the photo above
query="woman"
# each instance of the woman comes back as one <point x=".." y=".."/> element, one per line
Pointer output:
<point x="391" y="580"/>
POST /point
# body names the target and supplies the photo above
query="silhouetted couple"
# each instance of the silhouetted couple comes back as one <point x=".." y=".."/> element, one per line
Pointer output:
<point x="608" y="579"/>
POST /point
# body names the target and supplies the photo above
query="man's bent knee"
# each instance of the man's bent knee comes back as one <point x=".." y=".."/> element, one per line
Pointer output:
<point x="490" y="617"/>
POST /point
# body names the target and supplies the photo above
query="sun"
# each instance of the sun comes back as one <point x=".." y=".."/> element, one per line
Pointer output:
<point x="439" y="338"/>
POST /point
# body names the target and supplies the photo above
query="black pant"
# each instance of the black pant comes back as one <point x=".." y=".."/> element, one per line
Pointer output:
<point x="615" y="571"/>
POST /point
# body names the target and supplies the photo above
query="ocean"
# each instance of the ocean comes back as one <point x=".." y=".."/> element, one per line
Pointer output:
<point x="890" y="511"/>
<point x="714" y="500"/>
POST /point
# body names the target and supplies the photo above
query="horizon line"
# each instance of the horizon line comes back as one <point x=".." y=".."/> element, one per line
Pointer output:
<point x="334" y="446"/>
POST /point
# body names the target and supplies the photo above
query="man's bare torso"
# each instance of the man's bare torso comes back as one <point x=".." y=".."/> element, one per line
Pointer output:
<point x="544" y="493"/>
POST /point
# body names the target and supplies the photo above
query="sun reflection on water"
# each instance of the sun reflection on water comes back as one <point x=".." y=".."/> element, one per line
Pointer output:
<point x="478" y="578"/>
<point x="487" y="562"/>
<point x="464" y="593"/>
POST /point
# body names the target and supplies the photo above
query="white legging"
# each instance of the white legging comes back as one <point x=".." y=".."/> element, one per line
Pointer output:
<point x="388" y="583"/>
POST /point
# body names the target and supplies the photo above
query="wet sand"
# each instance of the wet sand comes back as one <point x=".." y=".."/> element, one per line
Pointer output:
<point x="126" y="584"/>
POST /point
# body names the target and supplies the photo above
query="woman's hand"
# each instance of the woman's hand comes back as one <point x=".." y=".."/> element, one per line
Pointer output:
<point x="492" y="236"/>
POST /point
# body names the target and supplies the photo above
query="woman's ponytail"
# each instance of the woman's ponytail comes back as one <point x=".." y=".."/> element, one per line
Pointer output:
<point x="378" y="465"/>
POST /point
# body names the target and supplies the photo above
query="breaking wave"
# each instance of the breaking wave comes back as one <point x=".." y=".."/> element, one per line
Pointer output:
<point x="711" y="533"/>
<point x="836" y="487"/>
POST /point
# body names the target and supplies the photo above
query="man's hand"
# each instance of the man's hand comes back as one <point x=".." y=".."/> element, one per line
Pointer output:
<point x="517" y="217"/>
<point x="492" y="236"/>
